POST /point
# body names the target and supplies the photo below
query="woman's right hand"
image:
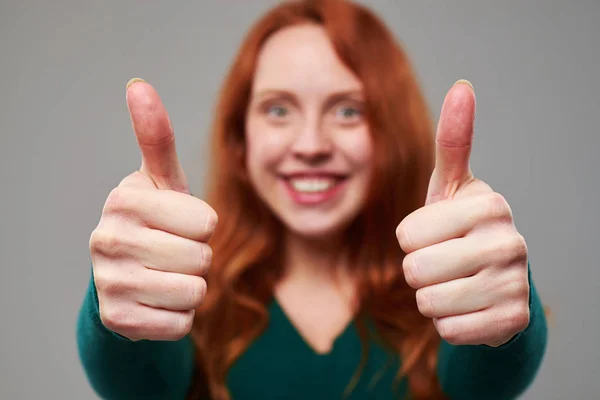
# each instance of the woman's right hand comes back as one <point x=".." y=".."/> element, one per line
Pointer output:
<point x="149" y="251"/>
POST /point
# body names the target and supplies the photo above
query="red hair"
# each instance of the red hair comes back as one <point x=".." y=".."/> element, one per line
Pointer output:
<point x="247" y="250"/>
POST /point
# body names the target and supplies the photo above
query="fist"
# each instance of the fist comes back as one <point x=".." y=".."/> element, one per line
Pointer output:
<point x="149" y="251"/>
<point x="464" y="256"/>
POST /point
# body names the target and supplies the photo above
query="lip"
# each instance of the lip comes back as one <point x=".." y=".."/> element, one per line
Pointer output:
<point x="313" y="199"/>
<point x="313" y="174"/>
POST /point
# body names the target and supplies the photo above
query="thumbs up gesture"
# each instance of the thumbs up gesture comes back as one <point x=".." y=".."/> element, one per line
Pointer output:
<point x="463" y="253"/>
<point x="149" y="250"/>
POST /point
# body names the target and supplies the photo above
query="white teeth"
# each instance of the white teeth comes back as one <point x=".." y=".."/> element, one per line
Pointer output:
<point x="312" y="185"/>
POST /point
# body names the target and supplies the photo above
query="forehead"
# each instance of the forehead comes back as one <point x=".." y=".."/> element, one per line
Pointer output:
<point x="302" y="59"/>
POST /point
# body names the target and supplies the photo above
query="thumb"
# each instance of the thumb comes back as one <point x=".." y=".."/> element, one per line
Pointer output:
<point x="155" y="137"/>
<point x="454" y="138"/>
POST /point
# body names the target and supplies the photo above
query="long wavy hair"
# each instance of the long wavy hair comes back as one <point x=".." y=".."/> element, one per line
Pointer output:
<point x="247" y="244"/>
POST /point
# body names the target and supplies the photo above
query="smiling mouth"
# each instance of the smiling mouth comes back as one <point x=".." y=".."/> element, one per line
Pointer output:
<point x="312" y="189"/>
<point x="313" y="185"/>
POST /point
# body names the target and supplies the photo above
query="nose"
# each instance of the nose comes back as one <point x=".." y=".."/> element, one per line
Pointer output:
<point x="312" y="144"/>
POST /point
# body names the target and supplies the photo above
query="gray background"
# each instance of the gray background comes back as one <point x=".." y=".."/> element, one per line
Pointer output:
<point x="66" y="141"/>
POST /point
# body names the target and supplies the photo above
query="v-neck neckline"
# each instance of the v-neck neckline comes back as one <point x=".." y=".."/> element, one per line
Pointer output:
<point x="294" y="331"/>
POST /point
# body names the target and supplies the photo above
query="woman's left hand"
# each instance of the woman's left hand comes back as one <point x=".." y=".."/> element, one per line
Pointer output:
<point x="464" y="255"/>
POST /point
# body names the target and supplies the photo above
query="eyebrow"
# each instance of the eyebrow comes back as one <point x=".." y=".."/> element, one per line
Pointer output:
<point x="292" y="98"/>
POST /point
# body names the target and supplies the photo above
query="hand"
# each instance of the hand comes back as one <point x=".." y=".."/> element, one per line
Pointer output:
<point x="463" y="253"/>
<point x="149" y="250"/>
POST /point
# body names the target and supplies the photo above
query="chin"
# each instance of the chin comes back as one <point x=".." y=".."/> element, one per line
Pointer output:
<point x="316" y="228"/>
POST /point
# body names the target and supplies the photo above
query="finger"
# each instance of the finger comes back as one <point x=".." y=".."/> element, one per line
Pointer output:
<point x="142" y="322"/>
<point x="454" y="138"/>
<point x="460" y="258"/>
<point x="155" y="137"/>
<point x="450" y="219"/>
<point x="162" y="251"/>
<point x="166" y="210"/>
<point x="443" y="262"/>
<point x="170" y="291"/>
<point x="483" y="327"/>
<point x="456" y="297"/>
<point x="180" y="214"/>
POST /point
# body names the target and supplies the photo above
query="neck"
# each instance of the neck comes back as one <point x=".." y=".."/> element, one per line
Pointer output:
<point x="317" y="267"/>
<point x="314" y="259"/>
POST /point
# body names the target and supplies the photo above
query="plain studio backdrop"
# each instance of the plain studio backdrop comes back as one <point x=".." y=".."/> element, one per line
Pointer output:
<point x="67" y="141"/>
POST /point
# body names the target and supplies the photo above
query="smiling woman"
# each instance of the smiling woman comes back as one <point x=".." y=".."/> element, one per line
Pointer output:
<point x="298" y="75"/>
<point x="310" y="161"/>
<point x="354" y="255"/>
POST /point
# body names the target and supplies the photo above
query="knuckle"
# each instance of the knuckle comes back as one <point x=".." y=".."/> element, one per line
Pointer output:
<point x="523" y="289"/>
<point x="115" y="318"/>
<point x="107" y="242"/>
<point x="120" y="199"/>
<point x="518" y="286"/>
<point x="411" y="271"/>
<point x="196" y="292"/>
<point x="402" y="235"/>
<point x="511" y="247"/>
<point x="519" y="319"/>
<point x="135" y="179"/>
<point x="496" y="206"/>
<point x="110" y="284"/>
<point x="425" y="302"/>
<point x="102" y="281"/>
<point x="212" y="219"/>
<point x="116" y="199"/>
<point x="519" y="249"/>
<point x="92" y="241"/>
<point x="205" y="259"/>
<point x="448" y="331"/>
<point x="183" y="327"/>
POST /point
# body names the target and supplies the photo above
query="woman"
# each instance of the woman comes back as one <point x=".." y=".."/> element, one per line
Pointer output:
<point x="354" y="256"/>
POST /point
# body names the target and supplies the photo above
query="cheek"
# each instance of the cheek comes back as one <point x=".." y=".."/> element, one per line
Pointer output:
<point x="264" y="147"/>
<point x="357" y="146"/>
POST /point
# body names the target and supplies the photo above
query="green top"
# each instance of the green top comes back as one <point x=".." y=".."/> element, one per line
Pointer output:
<point x="281" y="365"/>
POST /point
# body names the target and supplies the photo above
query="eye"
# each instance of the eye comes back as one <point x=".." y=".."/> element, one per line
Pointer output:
<point x="277" y="111"/>
<point x="348" y="112"/>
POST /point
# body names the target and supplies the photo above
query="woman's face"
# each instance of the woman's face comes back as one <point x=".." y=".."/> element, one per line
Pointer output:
<point x="309" y="149"/>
